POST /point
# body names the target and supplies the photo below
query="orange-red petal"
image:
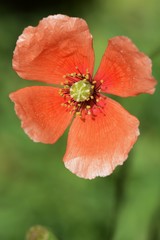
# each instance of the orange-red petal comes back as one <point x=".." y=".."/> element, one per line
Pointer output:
<point x="96" y="147"/>
<point x="54" y="48"/>
<point x="125" y="70"/>
<point x="39" y="108"/>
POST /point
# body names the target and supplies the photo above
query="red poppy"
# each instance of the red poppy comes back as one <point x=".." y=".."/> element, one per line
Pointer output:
<point x="59" y="51"/>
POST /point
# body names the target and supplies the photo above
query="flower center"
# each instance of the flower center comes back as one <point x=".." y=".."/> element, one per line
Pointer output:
<point x="81" y="94"/>
<point x="81" y="90"/>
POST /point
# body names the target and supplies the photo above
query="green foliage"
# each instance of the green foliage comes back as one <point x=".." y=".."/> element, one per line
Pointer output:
<point x="35" y="188"/>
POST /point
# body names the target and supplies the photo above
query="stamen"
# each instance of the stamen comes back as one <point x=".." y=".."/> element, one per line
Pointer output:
<point x="87" y="76"/>
<point x="78" y="70"/>
<point x="78" y="114"/>
<point x="81" y="93"/>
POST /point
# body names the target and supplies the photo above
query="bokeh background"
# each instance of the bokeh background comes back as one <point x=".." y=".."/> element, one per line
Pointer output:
<point x="35" y="187"/>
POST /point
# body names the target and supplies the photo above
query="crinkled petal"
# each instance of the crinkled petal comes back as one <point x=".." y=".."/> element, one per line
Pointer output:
<point x="54" y="48"/>
<point x="125" y="70"/>
<point x="39" y="108"/>
<point x="96" y="146"/>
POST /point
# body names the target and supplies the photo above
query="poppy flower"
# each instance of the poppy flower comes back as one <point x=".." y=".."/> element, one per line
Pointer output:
<point x="59" y="51"/>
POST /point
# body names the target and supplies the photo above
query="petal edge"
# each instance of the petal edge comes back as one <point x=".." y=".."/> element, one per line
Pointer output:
<point x="54" y="48"/>
<point x="125" y="70"/>
<point x="96" y="147"/>
<point x="42" y="116"/>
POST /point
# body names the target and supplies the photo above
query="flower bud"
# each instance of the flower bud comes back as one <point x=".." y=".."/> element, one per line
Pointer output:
<point x="39" y="233"/>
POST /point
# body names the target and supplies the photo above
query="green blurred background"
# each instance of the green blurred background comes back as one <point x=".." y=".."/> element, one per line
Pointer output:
<point x="35" y="187"/>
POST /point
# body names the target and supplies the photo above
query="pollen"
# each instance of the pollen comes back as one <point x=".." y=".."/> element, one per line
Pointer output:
<point x="81" y="91"/>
